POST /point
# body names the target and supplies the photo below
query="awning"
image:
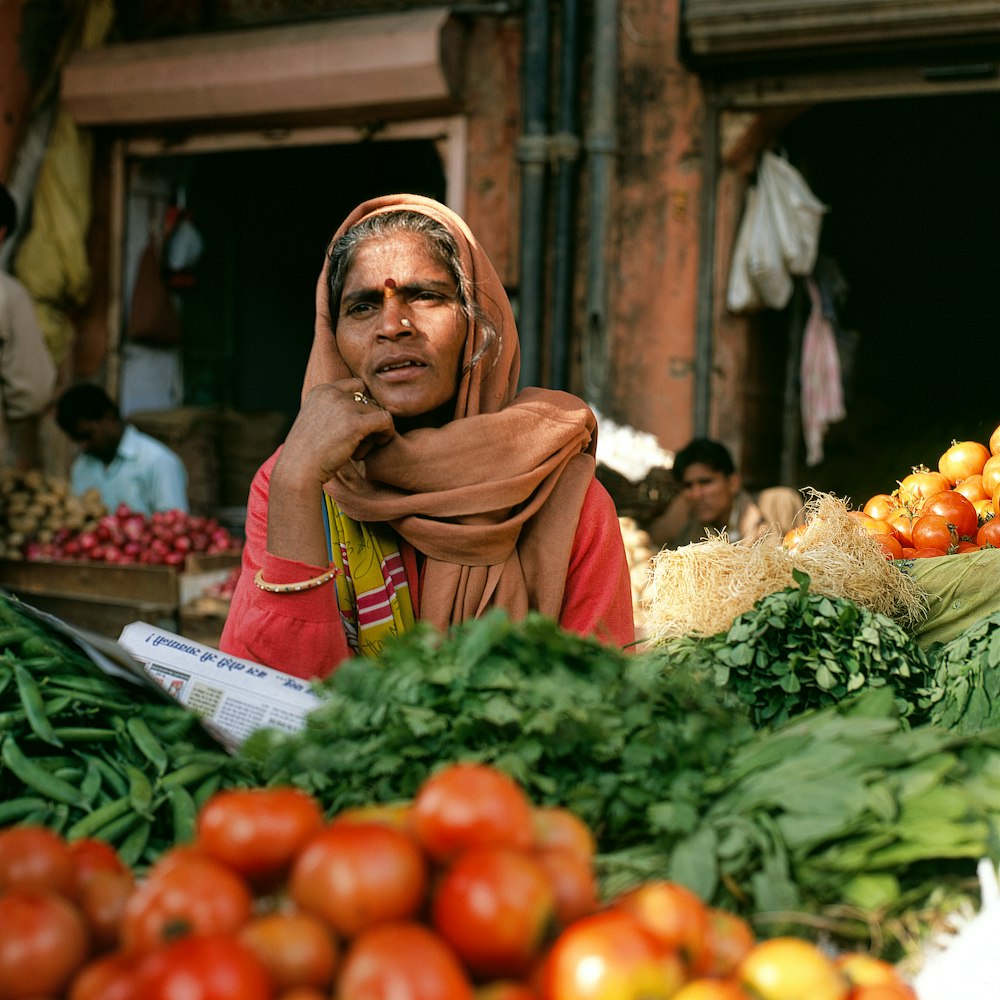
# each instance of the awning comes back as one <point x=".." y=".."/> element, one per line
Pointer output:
<point x="717" y="31"/>
<point x="334" y="68"/>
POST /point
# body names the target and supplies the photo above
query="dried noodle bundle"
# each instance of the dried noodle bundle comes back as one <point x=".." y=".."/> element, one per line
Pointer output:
<point x="699" y="589"/>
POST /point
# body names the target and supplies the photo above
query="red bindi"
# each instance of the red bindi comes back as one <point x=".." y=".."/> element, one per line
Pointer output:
<point x="390" y="288"/>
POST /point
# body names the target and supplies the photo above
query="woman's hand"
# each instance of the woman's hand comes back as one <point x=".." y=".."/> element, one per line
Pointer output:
<point x="337" y="422"/>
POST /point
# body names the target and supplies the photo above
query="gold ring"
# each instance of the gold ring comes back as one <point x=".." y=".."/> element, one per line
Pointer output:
<point x="360" y="397"/>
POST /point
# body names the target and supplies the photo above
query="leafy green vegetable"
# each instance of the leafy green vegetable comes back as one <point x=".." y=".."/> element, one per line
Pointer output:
<point x="966" y="689"/>
<point x="604" y="732"/>
<point x="795" y="651"/>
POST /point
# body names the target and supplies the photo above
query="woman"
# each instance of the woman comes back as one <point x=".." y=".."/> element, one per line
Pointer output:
<point x="416" y="483"/>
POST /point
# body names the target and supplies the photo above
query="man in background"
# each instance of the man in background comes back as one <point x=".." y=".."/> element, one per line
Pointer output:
<point x="712" y="497"/>
<point x="27" y="371"/>
<point x="123" y="464"/>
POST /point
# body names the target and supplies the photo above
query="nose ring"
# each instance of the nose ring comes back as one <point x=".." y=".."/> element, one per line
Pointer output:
<point x="360" y="397"/>
<point x="404" y="322"/>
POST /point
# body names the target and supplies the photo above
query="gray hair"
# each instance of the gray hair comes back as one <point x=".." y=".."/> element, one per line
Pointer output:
<point x="343" y="251"/>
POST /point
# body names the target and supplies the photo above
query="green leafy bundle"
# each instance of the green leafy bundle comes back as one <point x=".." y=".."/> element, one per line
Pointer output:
<point x="577" y="723"/>
<point x="844" y="812"/>
<point x="796" y="650"/>
<point x="966" y="689"/>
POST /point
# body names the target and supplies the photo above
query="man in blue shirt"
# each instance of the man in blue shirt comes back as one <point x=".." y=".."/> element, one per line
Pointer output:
<point x="123" y="464"/>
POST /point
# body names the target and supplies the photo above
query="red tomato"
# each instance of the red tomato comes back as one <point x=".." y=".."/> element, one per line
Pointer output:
<point x="203" y="967"/>
<point x="988" y="536"/>
<point x="505" y="989"/>
<point x="356" y="875"/>
<point x="297" y="949"/>
<point x="402" y="961"/>
<point x="966" y="546"/>
<point x="34" y="857"/>
<point x="730" y="940"/>
<point x="934" y="531"/>
<point x="258" y="831"/>
<point x="494" y="906"/>
<point x="959" y="510"/>
<point x="91" y="855"/>
<point x="674" y="915"/>
<point x="573" y="881"/>
<point x="890" y="545"/>
<point x="927" y="552"/>
<point x="556" y="826"/>
<point x="102" y="900"/>
<point x="901" y="522"/>
<point x="984" y="510"/>
<point x="963" y="459"/>
<point x="471" y="805"/>
<point x="183" y="895"/>
<point x="609" y="956"/>
<point x="110" y="977"/>
<point x="43" y="942"/>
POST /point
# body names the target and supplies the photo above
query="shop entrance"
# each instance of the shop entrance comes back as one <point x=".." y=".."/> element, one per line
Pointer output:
<point x="913" y="223"/>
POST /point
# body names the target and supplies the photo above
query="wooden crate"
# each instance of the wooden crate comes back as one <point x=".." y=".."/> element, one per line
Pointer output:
<point x="104" y="598"/>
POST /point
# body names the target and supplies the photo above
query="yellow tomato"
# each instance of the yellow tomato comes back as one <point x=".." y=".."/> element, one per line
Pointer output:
<point x="788" y="968"/>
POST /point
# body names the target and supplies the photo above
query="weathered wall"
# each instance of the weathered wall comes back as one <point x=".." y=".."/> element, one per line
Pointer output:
<point x="15" y="91"/>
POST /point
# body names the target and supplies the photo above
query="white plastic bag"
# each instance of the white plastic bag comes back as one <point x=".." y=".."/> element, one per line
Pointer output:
<point x="766" y="261"/>
<point x="742" y="295"/>
<point x="796" y="212"/>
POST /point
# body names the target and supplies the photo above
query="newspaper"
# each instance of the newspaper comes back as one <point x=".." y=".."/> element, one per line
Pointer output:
<point x="233" y="696"/>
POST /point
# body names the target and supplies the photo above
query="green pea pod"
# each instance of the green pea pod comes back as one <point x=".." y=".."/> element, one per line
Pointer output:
<point x="207" y="789"/>
<point x="83" y="734"/>
<point x="38" y="778"/>
<point x="140" y="791"/>
<point x="15" y="635"/>
<point x="91" y="784"/>
<point x="114" y="831"/>
<point x="131" y="848"/>
<point x="14" y="810"/>
<point x="189" y="773"/>
<point x="146" y="743"/>
<point x="100" y="818"/>
<point x="113" y="778"/>
<point x="184" y="813"/>
<point x="6" y="676"/>
<point x="54" y="707"/>
<point x="34" y="706"/>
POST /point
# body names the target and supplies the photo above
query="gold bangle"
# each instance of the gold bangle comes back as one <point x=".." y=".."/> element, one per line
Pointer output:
<point x="291" y="588"/>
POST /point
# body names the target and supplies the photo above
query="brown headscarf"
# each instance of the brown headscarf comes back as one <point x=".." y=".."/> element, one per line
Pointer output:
<point x="492" y="498"/>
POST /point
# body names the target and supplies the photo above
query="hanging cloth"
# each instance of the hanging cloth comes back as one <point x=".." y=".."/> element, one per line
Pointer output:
<point x="822" y="393"/>
<point x="372" y="590"/>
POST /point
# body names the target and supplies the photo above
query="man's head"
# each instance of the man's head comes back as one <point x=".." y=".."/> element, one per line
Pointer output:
<point x="90" y="417"/>
<point x="8" y="213"/>
<point x="708" y="480"/>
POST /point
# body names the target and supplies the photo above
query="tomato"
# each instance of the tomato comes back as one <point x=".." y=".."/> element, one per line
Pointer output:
<point x="402" y="961"/>
<point x="880" y="506"/>
<point x="42" y="944"/>
<point x="303" y="993"/>
<point x="110" y="977"/>
<point x="297" y="949"/>
<point x="963" y="459"/>
<point x="901" y="522"/>
<point x="984" y="510"/>
<point x="395" y="814"/>
<point x="996" y="502"/>
<point x="865" y="970"/>
<point x="257" y="831"/>
<point x="934" y="531"/>
<point x="920" y="484"/>
<point x="556" y="826"/>
<point x="730" y="940"/>
<point x="494" y="906"/>
<point x="609" y="956"/>
<point x="471" y="805"/>
<point x="793" y="537"/>
<point x="787" y="968"/>
<point x="91" y="855"/>
<point x="183" y="895"/>
<point x="34" y="857"/>
<point x="711" y="989"/>
<point x="991" y="474"/>
<point x="926" y="552"/>
<point x="102" y="900"/>
<point x="890" y="545"/>
<point x="994" y="442"/>
<point x="873" y="526"/>
<point x="883" y="991"/>
<point x="674" y="915"/>
<point x="959" y="510"/>
<point x="572" y="879"/>
<point x="356" y="875"/>
<point x="966" y="546"/>
<point x="972" y="488"/>
<point x="203" y="967"/>
<point x="988" y="536"/>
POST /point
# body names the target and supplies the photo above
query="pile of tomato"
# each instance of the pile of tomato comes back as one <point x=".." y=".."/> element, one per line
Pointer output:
<point x="947" y="511"/>
<point x="468" y="892"/>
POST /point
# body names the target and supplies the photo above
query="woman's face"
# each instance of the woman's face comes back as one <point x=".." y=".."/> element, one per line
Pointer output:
<point x="400" y="327"/>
